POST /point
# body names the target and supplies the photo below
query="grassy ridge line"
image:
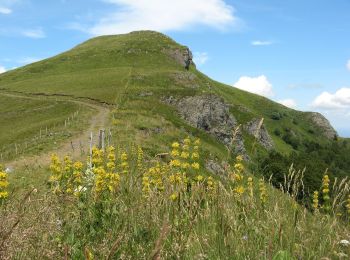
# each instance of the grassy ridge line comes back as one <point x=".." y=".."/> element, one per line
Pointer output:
<point x="102" y="67"/>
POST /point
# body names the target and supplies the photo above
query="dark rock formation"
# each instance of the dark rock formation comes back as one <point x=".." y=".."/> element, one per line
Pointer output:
<point x="211" y="114"/>
<point x="182" y="56"/>
<point x="257" y="129"/>
<point x="215" y="167"/>
<point x="322" y="123"/>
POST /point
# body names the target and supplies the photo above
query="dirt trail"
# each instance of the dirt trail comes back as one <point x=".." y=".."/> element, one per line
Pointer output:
<point x="79" y="142"/>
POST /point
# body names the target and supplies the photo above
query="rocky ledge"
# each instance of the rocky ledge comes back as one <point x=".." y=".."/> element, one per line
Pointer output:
<point x="321" y="122"/>
<point x="211" y="114"/>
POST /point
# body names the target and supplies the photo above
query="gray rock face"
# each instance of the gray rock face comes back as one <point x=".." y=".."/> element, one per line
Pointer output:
<point x="211" y="114"/>
<point x="320" y="121"/>
<point x="216" y="167"/>
<point x="181" y="56"/>
<point x="257" y="129"/>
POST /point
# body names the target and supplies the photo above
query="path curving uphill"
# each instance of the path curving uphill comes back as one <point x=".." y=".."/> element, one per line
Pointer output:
<point x="98" y="121"/>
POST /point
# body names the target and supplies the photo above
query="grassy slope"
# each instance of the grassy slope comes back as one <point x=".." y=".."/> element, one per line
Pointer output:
<point x="116" y="69"/>
<point x="22" y="120"/>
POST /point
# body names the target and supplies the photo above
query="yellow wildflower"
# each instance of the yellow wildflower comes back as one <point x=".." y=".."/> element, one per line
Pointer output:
<point x="262" y="190"/>
<point x="3" y="184"/>
<point x="239" y="190"/>
<point x="197" y="142"/>
<point x="3" y="194"/>
<point x="175" y="153"/>
<point x="348" y="204"/>
<point x="250" y="186"/>
<point x="199" y="178"/>
<point x="195" y="165"/>
<point x="210" y="184"/>
<point x="195" y="156"/>
<point x="124" y="156"/>
<point x="239" y="167"/>
<point x="315" y="200"/>
<point x="67" y="163"/>
<point x="187" y="141"/>
<point x="325" y="192"/>
<point x="185" y="155"/>
<point x="239" y="158"/>
<point x="175" y="145"/>
<point x="173" y="196"/>
<point x="175" y="163"/>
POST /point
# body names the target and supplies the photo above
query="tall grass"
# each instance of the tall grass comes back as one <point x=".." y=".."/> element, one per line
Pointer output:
<point x="157" y="209"/>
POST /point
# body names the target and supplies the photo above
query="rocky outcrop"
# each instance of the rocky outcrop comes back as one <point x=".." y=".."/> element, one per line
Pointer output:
<point x="215" y="167"/>
<point x="181" y="55"/>
<point x="211" y="114"/>
<point x="323" y="124"/>
<point x="257" y="129"/>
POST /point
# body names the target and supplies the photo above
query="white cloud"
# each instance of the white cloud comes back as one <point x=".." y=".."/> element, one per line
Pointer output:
<point x="200" y="58"/>
<point x="34" y="33"/>
<point x="261" y="43"/>
<point x="348" y="65"/>
<point x="2" y="69"/>
<point x="258" y="85"/>
<point x="4" y="10"/>
<point x="338" y="100"/>
<point x="164" y="15"/>
<point x="288" y="103"/>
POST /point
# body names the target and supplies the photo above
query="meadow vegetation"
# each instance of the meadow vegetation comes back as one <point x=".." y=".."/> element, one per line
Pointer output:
<point x="148" y="195"/>
<point x="31" y="125"/>
<point x="123" y="204"/>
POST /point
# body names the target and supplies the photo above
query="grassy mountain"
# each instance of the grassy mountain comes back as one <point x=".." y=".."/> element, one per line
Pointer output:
<point x="137" y="70"/>
<point x="142" y="75"/>
<point x="137" y="87"/>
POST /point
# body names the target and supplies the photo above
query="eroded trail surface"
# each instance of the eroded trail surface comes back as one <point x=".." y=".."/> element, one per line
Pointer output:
<point x="76" y="146"/>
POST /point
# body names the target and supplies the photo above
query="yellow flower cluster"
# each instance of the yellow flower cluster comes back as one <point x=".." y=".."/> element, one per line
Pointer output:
<point x="56" y="168"/>
<point x="124" y="165"/>
<point x="237" y="176"/>
<point x="152" y="180"/>
<point x="263" y="192"/>
<point x="348" y="205"/>
<point x="3" y="184"/>
<point x="66" y="178"/>
<point x="325" y="192"/>
<point x="106" y="177"/>
<point x="97" y="156"/>
<point x="211" y="185"/>
<point x="325" y="187"/>
<point x="185" y="156"/>
<point x="179" y="175"/>
<point x="250" y="187"/>
<point x="315" y="201"/>
<point x="106" y="170"/>
<point x="139" y="159"/>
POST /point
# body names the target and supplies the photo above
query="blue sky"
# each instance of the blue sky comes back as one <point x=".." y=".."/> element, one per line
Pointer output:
<point x="294" y="52"/>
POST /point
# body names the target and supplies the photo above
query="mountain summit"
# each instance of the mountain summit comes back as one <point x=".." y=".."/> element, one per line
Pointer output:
<point x="146" y="71"/>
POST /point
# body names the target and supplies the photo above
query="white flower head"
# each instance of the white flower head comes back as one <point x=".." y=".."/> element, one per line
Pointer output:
<point x="344" y="242"/>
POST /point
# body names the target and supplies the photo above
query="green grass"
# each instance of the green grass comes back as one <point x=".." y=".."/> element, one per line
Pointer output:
<point x="33" y="125"/>
<point x="117" y="69"/>
<point x="133" y="73"/>
<point x="200" y="224"/>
